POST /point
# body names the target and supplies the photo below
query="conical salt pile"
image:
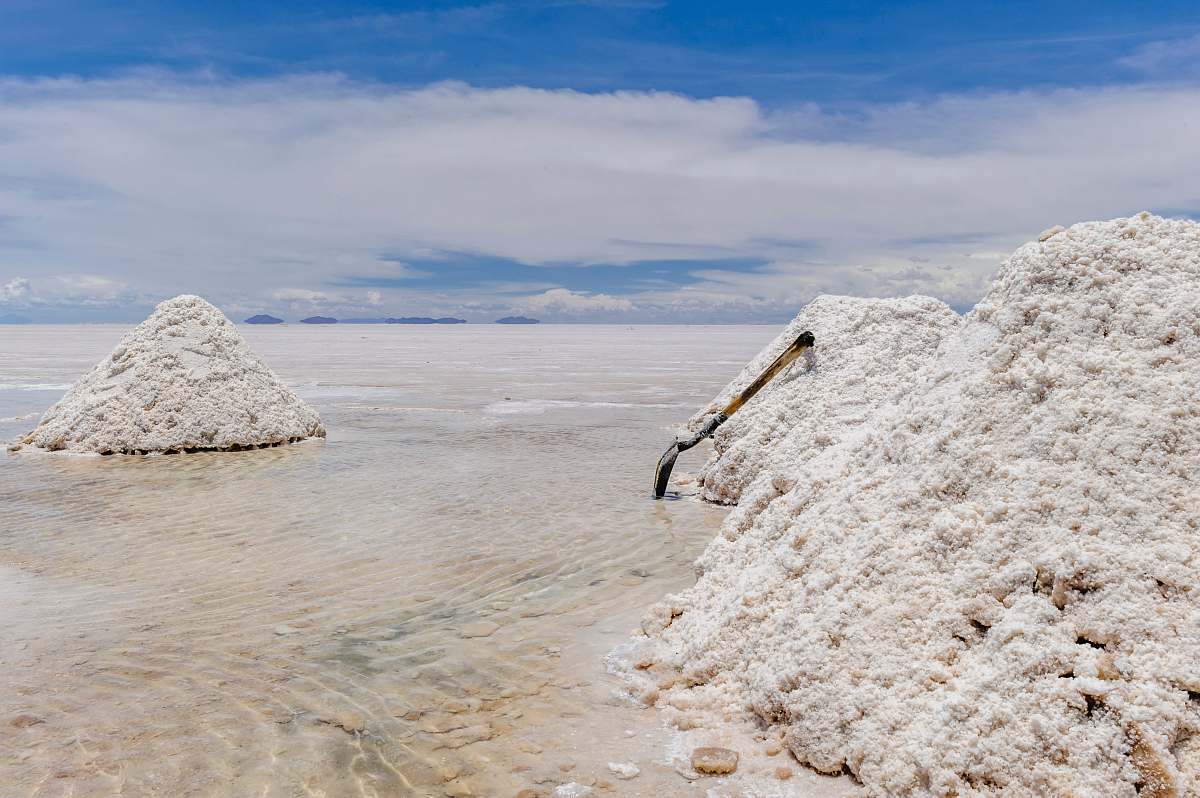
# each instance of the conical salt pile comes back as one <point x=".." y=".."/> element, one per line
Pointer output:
<point x="995" y="589"/>
<point x="182" y="380"/>
<point x="867" y="351"/>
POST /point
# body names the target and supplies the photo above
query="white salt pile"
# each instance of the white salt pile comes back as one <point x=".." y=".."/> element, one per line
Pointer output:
<point x="867" y="351"/>
<point x="995" y="588"/>
<point x="182" y="380"/>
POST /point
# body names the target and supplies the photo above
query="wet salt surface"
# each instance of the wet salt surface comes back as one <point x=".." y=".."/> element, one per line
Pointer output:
<point x="420" y="605"/>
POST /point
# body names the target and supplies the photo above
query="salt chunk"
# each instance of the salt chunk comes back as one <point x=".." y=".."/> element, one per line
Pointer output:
<point x="624" y="770"/>
<point x="714" y="760"/>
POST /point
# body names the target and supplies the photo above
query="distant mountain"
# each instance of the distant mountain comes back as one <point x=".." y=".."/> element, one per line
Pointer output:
<point x="318" y="320"/>
<point x="263" y="318"/>
<point x="406" y="320"/>
<point x="12" y="318"/>
<point x="517" y="320"/>
<point x="426" y="320"/>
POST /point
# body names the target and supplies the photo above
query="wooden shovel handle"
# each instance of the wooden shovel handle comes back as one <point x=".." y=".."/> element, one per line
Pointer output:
<point x="803" y="343"/>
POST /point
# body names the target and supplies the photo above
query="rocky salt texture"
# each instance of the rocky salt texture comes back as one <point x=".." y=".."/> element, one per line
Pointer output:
<point x="867" y="352"/>
<point x="182" y="380"/>
<point x="993" y="587"/>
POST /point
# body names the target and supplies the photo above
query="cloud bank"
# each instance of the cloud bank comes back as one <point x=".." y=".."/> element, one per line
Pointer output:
<point x="271" y="194"/>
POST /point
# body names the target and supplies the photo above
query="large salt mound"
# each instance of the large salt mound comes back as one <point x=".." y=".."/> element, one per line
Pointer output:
<point x="995" y="588"/>
<point x="867" y="351"/>
<point x="183" y="379"/>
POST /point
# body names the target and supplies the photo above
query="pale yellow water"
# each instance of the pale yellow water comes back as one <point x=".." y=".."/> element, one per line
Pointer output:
<point x="420" y="605"/>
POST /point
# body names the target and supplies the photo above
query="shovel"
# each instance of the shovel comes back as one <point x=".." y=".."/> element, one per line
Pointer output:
<point x="665" y="463"/>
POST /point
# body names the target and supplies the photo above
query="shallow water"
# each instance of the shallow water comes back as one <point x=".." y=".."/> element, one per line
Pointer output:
<point x="419" y="605"/>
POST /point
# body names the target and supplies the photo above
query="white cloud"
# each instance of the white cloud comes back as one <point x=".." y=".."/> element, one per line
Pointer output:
<point x="65" y="289"/>
<point x="297" y="296"/>
<point x="570" y="303"/>
<point x="83" y="288"/>
<point x="73" y="297"/>
<point x="14" y="290"/>
<point x="168" y="184"/>
<point x="1174" y="57"/>
<point x="309" y="300"/>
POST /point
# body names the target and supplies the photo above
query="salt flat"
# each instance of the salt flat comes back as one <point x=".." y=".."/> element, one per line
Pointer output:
<point x="418" y="605"/>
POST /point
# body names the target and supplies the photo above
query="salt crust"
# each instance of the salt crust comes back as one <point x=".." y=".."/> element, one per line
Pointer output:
<point x="867" y="351"/>
<point x="184" y="379"/>
<point x="991" y="587"/>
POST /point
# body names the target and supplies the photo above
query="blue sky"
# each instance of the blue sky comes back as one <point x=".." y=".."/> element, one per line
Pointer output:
<point x="580" y="161"/>
<point x="775" y="52"/>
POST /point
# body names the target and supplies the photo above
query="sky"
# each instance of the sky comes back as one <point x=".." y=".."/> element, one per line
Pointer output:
<point x="623" y="161"/>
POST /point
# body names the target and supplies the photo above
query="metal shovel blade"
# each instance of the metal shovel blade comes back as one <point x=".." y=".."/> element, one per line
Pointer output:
<point x="662" y="474"/>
